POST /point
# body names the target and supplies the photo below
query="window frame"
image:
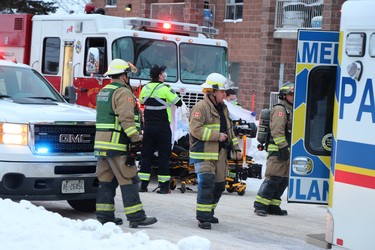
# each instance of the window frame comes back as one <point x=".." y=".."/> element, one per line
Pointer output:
<point x="315" y="102"/>
<point x="111" y="2"/>
<point x="233" y="4"/>
<point x="49" y="53"/>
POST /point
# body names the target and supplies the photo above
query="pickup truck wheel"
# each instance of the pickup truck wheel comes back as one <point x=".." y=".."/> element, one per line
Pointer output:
<point x="83" y="205"/>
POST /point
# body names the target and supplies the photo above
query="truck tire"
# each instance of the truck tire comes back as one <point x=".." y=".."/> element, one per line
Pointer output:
<point x="83" y="205"/>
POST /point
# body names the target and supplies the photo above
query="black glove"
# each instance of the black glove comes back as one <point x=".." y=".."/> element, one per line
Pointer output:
<point x="283" y="154"/>
<point x="134" y="149"/>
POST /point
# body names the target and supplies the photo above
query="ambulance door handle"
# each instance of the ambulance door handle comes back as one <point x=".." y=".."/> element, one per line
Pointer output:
<point x="302" y="165"/>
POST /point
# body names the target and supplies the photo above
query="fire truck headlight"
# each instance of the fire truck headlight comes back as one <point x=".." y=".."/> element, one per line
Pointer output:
<point x="355" y="44"/>
<point x="372" y="45"/>
<point x="11" y="133"/>
<point x="355" y="70"/>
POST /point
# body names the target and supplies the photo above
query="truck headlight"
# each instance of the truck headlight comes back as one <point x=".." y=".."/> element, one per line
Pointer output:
<point x="12" y="133"/>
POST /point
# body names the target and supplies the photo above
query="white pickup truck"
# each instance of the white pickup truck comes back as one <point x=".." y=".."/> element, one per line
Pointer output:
<point x="46" y="144"/>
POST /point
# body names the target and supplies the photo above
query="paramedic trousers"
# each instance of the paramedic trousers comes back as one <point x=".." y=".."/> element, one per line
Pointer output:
<point x="157" y="137"/>
<point x="113" y="171"/>
<point x="211" y="184"/>
<point x="273" y="186"/>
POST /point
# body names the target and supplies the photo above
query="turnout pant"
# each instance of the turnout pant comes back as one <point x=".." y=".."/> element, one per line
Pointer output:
<point x="157" y="137"/>
<point x="211" y="184"/>
<point x="274" y="185"/>
<point x="270" y="192"/>
<point x="112" y="172"/>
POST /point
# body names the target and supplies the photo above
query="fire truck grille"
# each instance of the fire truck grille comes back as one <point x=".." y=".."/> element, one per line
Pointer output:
<point x="64" y="138"/>
<point x="190" y="99"/>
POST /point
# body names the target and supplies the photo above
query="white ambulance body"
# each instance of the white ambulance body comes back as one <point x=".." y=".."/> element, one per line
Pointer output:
<point x="333" y="138"/>
<point x="62" y="46"/>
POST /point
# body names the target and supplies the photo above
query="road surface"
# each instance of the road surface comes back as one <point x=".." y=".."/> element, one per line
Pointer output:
<point x="239" y="227"/>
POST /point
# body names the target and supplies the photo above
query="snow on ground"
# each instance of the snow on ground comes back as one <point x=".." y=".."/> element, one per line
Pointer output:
<point x="26" y="226"/>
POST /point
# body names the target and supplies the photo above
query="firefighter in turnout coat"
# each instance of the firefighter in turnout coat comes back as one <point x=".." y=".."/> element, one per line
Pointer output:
<point x="211" y="138"/>
<point x="116" y="132"/>
<point x="276" y="180"/>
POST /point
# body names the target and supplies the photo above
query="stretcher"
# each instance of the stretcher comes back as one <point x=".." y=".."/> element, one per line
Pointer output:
<point x="238" y="170"/>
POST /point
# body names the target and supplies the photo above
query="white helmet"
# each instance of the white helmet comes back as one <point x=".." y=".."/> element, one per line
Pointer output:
<point x="116" y="67"/>
<point x="216" y="81"/>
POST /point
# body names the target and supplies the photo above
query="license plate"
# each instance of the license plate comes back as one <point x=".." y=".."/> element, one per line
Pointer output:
<point x="73" y="186"/>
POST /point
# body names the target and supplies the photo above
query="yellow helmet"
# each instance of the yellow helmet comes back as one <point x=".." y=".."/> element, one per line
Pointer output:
<point x="286" y="88"/>
<point x="116" y="67"/>
<point x="216" y="81"/>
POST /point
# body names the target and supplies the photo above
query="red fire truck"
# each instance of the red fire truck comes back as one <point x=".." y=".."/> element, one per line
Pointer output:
<point x="73" y="51"/>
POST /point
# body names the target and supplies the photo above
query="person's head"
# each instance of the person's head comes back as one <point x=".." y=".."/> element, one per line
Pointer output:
<point x="119" y="69"/>
<point x="215" y="87"/>
<point x="286" y="92"/>
<point x="91" y="57"/>
<point x="231" y="95"/>
<point x="158" y="74"/>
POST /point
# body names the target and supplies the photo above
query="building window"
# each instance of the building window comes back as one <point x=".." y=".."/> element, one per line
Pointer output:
<point x="234" y="9"/>
<point x="111" y="2"/>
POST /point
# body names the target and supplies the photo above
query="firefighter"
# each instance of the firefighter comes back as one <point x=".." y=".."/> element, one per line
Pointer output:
<point x="157" y="98"/>
<point x="116" y="132"/>
<point x="268" y="199"/>
<point x="211" y="137"/>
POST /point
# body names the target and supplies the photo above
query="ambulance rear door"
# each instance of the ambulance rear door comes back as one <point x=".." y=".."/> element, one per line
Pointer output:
<point x="316" y="70"/>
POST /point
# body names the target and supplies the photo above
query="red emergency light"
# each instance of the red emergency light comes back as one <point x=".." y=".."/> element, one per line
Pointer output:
<point x="167" y="26"/>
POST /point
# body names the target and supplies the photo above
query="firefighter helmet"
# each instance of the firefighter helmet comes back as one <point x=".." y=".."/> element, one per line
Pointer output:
<point x="216" y="81"/>
<point x="286" y="88"/>
<point x="117" y="66"/>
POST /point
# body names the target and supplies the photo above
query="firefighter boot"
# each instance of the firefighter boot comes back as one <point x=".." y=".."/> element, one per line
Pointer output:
<point x="164" y="188"/>
<point x="276" y="210"/>
<point x="214" y="220"/>
<point x="260" y="212"/>
<point x="133" y="207"/>
<point x="117" y="221"/>
<point x="204" y="224"/>
<point x="144" y="185"/>
<point x="145" y="222"/>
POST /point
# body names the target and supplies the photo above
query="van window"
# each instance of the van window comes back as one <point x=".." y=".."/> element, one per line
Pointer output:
<point x="319" y="110"/>
<point x="51" y="55"/>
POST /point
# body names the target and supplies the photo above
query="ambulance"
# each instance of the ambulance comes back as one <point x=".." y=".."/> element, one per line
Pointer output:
<point x="333" y="137"/>
<point x="73" y="51"/>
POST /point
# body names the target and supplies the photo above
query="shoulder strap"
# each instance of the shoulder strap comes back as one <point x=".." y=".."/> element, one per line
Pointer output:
<point x="154" y="89"/>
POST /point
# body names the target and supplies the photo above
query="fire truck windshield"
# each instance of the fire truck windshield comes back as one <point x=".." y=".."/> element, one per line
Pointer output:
<point x="186" y="63"/>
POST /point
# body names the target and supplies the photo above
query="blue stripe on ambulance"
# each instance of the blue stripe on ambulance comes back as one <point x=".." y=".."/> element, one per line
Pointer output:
<point x="348" y="150"/>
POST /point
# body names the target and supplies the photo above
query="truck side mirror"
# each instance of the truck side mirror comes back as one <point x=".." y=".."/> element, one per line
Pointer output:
<point x="70" y="94"/>
<point x="92" y="61"/>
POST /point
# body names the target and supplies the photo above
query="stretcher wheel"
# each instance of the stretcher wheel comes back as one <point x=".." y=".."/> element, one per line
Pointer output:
<point x="183" y="188"/>
<point x="230" y="189"/>
<point x="241" y="193"/>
